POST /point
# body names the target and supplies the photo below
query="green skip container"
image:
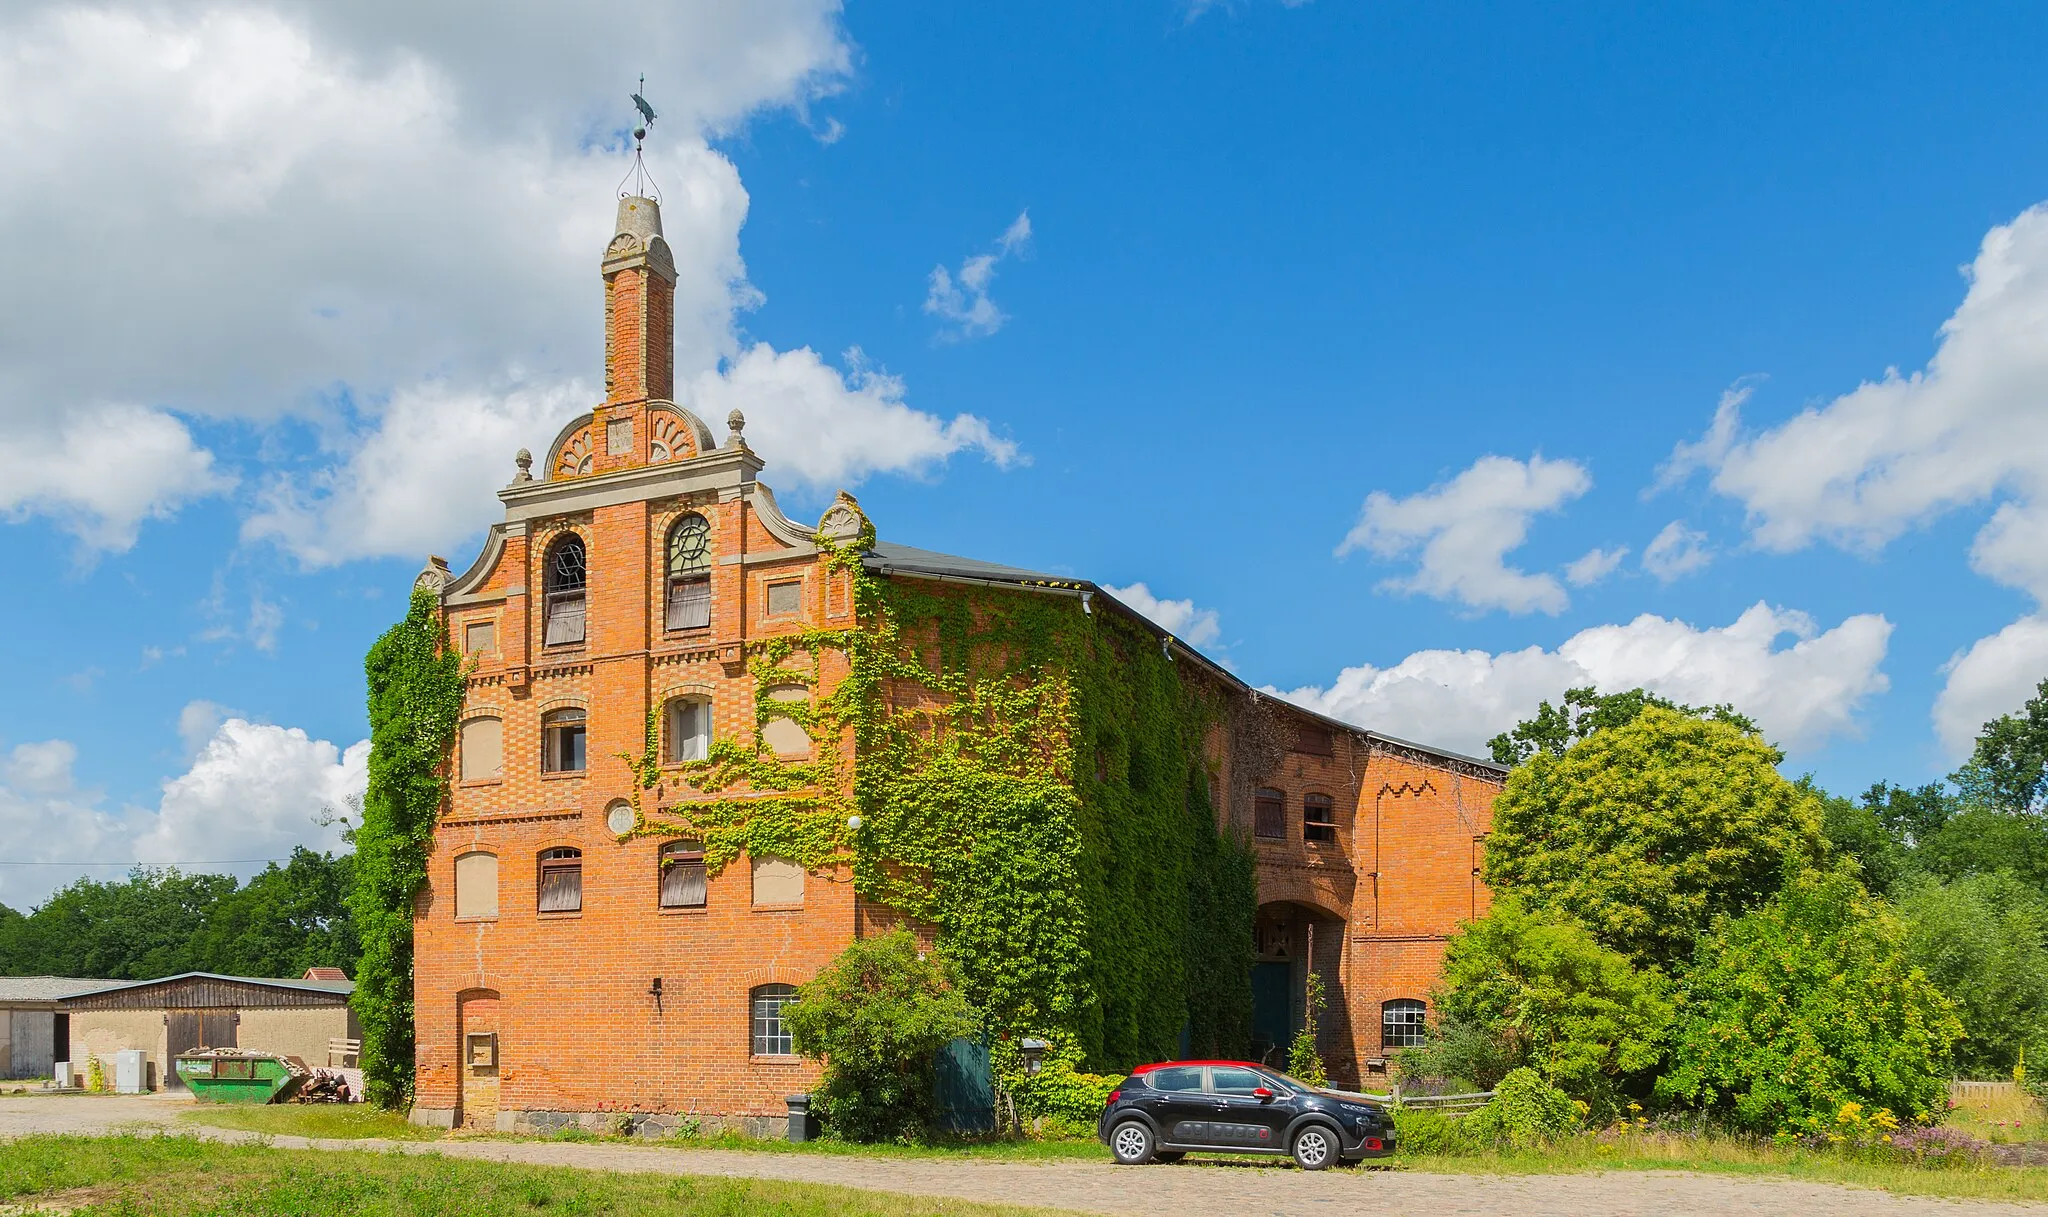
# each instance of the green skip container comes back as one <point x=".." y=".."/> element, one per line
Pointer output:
<point x="240" y="1078"/>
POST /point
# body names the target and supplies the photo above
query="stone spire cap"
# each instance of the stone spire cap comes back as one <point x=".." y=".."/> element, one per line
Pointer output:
<point x="639" y="218"/>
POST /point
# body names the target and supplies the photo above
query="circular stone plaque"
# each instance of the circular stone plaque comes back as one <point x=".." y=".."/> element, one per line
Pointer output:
<point x="619" y="819"/>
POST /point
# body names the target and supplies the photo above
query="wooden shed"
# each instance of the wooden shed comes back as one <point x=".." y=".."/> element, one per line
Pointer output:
<point x="34" y="1032"/>
<point x="196" y="1010"/>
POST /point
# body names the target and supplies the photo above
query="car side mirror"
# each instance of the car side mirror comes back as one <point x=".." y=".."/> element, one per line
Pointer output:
<point x="1262" y="1094"/>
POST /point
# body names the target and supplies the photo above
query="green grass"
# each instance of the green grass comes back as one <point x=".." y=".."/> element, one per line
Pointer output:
<point x="185" y="1177"/>
<point x="331" y="1121"/>
<point x="2005" y="1117"/>
<point x="1730" y="1156"/>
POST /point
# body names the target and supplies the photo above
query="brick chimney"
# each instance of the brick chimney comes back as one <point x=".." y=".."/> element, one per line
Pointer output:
<point x="639" y="332"/>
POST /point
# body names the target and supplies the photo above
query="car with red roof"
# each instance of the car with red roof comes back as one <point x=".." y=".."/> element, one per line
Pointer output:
<point x="1165" y="1111"/>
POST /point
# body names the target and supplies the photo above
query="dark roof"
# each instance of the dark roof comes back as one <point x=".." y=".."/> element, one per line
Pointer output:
<point x="887" y="557"/>
<point x="339" y="988"/>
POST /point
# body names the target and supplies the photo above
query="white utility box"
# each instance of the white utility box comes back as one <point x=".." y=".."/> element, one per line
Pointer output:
<point x="131" y="1075"/>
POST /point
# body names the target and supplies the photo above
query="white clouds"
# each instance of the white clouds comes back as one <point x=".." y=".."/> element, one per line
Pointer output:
<point x="1801" y="695"/>
<point x="1593" y="566"/>
<point x="1464" y="529"/>
<point x="1676" y="552"/>
<point x="1995" y="676"/>
<point x="390" y="198"/>
<point x="252" y="791"/>
<point x="419" y="480"/>
<point x="804" y="417"/>
<point x="1893" y="453"/>
<point x="108" y="469"/>
<point x="1194" y="626"/>
<point x="255" y="791"/>
<point x="964" y="300"/>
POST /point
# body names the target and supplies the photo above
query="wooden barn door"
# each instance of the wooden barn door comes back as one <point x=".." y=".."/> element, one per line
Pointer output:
<point x="191" y="1030"/>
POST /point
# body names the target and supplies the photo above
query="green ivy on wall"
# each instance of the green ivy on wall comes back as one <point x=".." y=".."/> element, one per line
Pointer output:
<point x="416" y="687"/>
<point x="1031" y="783"/>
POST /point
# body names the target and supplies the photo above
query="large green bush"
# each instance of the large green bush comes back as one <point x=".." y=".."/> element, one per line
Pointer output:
<point x="1647" y="831"/>
<point x="1526" y="1111"/>
<point x="1583" y="1016"/>
<point x="877" y="1018"/>
<point x="1805" y="1004"/>
<point x="1983" y="940"/>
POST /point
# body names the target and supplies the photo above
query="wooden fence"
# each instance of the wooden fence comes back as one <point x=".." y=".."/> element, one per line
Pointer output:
<point x="1430" y="1102"/>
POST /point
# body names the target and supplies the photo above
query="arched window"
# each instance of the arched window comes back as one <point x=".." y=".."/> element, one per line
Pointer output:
<point x="682" y="875"/>
<point x="689" y="573"/>
<point x="483" y="749"/>
<point x="1269" y="813"/>
<point x="1402" y="1021"/>
<point x="687" y="734"/>
<point x="771" y="1034"/>
<point x="561" y="880"/>
<point x="1318" y="818"/>
<point x="562" y="734"/>
<point x="476" y="885"/>
<point x="565" y="574"/>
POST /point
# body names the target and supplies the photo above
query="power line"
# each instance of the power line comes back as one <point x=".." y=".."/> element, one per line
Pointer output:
<point x="187" y="862"/>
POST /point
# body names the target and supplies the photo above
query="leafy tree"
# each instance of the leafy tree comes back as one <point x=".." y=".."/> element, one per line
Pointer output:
<point x="1581" y="712"/>
<point x="877" y="1017"/>
<point x="1857" y="831"/>
<point x="283" y="921"/>
<point x="1578" y="1013"/>
<point x="1983" y="841"/>
<point x="2008" y="770"/>
<point x="1647" y="831"/>
<point x="1983" y="940"/>
<point x="1804" y="1004"/>
<point x="129" y="929"/>
<point x="1910" y="816"/>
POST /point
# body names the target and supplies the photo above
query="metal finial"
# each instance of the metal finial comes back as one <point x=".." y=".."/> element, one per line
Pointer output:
<point x="642" y="186"/>
<point x="525" y="462"/>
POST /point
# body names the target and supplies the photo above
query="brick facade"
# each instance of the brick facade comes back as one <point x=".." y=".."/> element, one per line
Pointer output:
<point x="527" y="1018"/>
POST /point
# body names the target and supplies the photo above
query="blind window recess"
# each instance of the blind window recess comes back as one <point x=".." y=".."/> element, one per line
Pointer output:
<point x="483" y="749"/>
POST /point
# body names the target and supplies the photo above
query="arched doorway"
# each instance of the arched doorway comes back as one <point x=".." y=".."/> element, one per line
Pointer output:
<point x="1290" y="939"/>
<point x="476" y="1053"/>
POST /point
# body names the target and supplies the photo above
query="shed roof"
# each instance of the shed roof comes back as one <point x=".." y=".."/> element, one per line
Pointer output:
<point x="47" y="988"/>
<point x="887" y="557"/>
<point x="293" y="985"/>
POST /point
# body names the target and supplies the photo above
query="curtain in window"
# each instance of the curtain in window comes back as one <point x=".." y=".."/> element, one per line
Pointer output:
<point x="689" y="603"/>
<point x="689" y="730"/>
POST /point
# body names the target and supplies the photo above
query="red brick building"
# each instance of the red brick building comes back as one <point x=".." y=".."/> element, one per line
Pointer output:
<point x="569" y="965"/>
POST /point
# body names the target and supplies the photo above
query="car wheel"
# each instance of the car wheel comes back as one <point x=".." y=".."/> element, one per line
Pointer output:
<point x="1169" y="1156"/>
<point x="1315" y="1148"/>
<point x="1131" y="1143"/>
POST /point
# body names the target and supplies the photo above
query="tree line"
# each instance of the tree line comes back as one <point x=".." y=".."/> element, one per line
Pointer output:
<point x="1679" y="927"/>
<point x="159" y="921"/>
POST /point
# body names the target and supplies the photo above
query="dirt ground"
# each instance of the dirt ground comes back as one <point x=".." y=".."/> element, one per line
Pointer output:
<point x="1185" y="1190"/>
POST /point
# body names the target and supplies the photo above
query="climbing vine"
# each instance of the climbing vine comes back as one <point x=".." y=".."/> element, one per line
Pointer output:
<point x="1031" y="785"/>
<point x="415" y="688"/>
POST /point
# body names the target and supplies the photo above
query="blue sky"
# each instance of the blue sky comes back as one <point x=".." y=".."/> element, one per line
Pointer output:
<point x="1353" y="328"/>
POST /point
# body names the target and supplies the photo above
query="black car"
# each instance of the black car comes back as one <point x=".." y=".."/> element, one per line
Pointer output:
<point x="1163" y="1112"/>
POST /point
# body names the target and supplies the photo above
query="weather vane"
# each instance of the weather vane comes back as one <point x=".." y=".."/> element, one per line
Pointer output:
<point x="643" y="185"/>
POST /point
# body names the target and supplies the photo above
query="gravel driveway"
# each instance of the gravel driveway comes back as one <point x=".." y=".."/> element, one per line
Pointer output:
<point x="1186" y="1190"/>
